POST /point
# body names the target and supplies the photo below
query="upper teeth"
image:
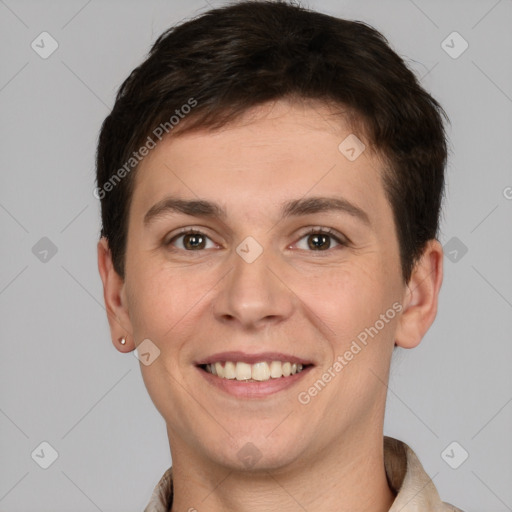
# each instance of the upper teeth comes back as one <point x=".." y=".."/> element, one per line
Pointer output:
<point x="258" y="371"/>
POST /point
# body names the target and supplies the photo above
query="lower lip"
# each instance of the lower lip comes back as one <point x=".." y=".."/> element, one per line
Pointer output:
<point x="241" y="389"/>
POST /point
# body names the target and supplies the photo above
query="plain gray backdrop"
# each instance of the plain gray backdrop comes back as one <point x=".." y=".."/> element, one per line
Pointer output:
<point x="63" y="383"/>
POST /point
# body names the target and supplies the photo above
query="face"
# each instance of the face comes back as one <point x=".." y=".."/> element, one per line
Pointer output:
<point x="289" y="261"/>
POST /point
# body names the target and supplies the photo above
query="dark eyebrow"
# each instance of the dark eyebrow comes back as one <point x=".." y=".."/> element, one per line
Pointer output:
<point x="324" y="204"/>
<point x="294" y="208"/>
<point x="194" y="207"/>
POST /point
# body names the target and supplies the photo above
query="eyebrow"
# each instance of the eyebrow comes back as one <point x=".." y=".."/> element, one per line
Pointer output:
<point x="293" y="208"/>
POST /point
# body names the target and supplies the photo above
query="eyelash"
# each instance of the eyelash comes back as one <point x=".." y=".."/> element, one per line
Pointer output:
<point x="342" y="241"/>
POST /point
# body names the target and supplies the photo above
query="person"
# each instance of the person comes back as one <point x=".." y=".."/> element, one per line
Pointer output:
<point x="271" y="180"/>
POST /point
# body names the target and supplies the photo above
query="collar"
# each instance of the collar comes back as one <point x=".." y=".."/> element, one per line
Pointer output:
<point x="415" y="491"/>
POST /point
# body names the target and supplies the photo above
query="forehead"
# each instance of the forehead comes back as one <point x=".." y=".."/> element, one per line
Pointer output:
<point x="272" y="154"/>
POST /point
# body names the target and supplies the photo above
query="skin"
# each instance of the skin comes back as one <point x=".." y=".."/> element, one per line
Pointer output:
<point x="328" y="454"/>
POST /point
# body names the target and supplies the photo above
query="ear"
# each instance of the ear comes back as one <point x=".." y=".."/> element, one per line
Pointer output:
<point x="115" y="299"/>
<point x="421" y="297"/>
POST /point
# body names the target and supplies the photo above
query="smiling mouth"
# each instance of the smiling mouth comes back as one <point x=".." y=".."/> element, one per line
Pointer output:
<point x="257" y="372"/>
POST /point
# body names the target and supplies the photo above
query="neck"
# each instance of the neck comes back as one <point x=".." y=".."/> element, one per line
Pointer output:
<point x="348" y="477"/>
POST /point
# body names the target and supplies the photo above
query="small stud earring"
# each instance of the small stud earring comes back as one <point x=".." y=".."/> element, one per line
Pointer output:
<point x="122" y="340"/>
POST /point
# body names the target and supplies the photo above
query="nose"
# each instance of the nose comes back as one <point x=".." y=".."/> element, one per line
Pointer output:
<point x="254" y="295"/>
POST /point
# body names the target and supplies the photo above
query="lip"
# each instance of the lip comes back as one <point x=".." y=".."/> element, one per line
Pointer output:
<point x="240" y="389"/>
<point x="238" y="356"/>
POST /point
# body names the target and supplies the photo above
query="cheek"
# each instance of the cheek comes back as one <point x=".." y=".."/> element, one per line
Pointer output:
<point x="347" y="298"/>
<point x="165" y="300"/>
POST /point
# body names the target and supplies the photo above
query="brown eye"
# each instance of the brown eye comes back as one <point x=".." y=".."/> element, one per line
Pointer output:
<point x="319" y="242"/>
<point x="194" y="241"/>
<point x="191" y="241"/>
<point x="320" y="239"/>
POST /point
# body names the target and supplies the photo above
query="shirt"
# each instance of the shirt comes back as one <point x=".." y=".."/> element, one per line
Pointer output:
<point x="415" y="491"/>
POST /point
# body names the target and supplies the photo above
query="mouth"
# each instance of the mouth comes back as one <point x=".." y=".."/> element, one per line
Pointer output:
<point x="253" y="375"/>
<point x="258" y="372"/>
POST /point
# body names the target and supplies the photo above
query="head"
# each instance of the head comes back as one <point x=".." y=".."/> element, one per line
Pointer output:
<point x="259" y="126"/>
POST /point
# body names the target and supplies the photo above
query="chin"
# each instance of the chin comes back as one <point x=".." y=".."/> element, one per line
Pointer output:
<point x="256" y="454"/>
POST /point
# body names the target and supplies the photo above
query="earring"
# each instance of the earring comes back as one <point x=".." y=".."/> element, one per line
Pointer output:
<point x="122" y="340"/>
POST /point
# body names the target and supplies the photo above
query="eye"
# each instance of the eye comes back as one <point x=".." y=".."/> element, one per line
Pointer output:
<point x="191" y="240"/>
<point x="320" y="239"/>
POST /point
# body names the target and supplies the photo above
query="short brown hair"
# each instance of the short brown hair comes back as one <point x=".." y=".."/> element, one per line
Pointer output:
<point x="230" y="59"/>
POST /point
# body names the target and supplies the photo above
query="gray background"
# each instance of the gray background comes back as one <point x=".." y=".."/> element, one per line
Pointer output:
<point x="61" y="379"/>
